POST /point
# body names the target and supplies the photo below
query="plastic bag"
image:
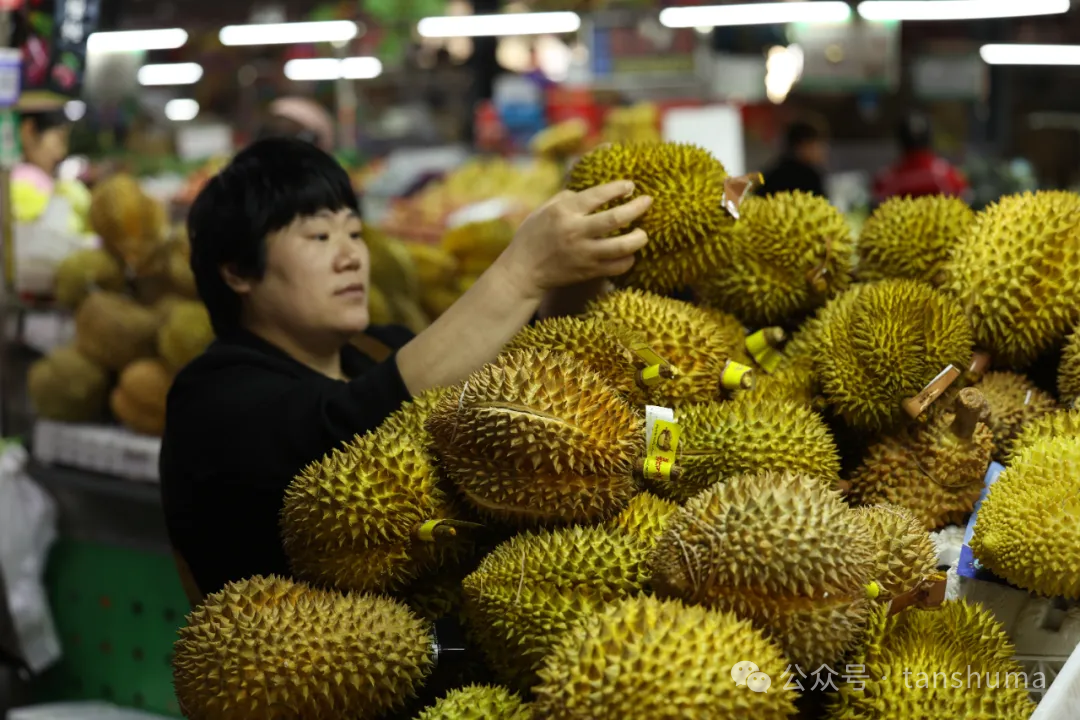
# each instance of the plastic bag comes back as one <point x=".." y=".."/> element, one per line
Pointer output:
<point x="27" y="531"/>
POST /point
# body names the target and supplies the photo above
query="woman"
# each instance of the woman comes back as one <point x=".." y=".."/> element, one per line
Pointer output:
<point x="279" y="261"/>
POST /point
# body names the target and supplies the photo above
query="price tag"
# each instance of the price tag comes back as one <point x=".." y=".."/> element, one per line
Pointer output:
<point x="653" y="413"/>
<point x="10" y="76"/>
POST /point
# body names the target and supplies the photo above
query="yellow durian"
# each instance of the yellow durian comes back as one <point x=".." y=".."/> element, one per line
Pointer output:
<point x="84" y="271"/>
<point x="478" y="702"/>
<point x="131" y="223"/>
<point x="645" y="518"/>
<point x="1054" y="424"/>
<point x="67" y="386"/>
<point x="114" y="331"/>
<point x="1069" y="371"/>
<point x="1014" y="401"/>
<point x="185" y="335"/>
<point x="138" y="400"/>
<point x="905" y="555"/>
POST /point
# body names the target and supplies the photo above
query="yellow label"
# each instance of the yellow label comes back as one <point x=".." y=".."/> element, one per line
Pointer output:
<point x="426" y="532"/>
<point x="651" y="375"/>
<point x="732" y="376"/>
<point x="769" y="359"/>
<point x="664" y="440"/>
<point x="756" y="343"/>
<point x="658" y="467"/>
<point x="873" y="590"/>
<point x="647" y="354"/>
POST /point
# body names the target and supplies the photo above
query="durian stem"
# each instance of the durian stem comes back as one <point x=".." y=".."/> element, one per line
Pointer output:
<point x="817" y="277"/>
<point x="917" y="405"/>
<point x="970" y="406"/>
<point x="775" y="336"/>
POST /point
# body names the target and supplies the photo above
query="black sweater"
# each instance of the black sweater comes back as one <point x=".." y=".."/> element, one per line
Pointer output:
<point x="242" y="420"/>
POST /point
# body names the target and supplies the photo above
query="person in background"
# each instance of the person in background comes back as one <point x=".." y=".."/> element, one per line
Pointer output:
<point x="802" y="164"/>
<point x="301" y="118"/>
<point x="919" y="170"/>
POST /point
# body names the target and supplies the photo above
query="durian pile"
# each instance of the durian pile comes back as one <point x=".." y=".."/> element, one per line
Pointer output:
<point x="138" y="319"/>
<point x="669" y="509"/>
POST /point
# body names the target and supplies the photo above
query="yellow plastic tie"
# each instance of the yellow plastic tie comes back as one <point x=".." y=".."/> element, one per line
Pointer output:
<point x="736" y="375"/>
<point x="657" y="467"/>
<point x="651" y="376"/>
<point x="426" y="533"/>
<point x="873" y="590"/>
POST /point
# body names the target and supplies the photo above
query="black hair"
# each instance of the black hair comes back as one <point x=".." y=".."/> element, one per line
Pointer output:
<point x="264" y="189"/>
<point x="43" y="120"/>
<point x="915" y="132"/>
<point x="799" y="133"/>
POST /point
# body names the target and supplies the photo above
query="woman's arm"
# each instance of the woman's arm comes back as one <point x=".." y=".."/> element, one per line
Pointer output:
<point x="561" y="245"/>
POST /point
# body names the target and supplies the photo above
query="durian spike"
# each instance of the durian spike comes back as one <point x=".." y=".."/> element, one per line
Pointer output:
<point x="817" y="275"/>
<point x="917" y="405"/>
<point x="970" y="408"/>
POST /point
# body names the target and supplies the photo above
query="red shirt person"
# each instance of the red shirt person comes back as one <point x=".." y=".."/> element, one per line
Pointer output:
<point x="919" y="171"/>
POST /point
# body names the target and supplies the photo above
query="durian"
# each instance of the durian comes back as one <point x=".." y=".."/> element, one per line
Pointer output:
<point x="693" y="340"/>
<point x="645" y="518"/>
<point x="559" y="140"/>
<point x="138" y="400"/>
<point x="663" y="660"/>
<point x="379" y="310"/>
<point x="950" y="662"/>
<point x="1014" y="402"/>
<point x="185" y="335"/>
<point x="790" y="253"/>
<point x="781" y="550"/>
<point x="131" y="223"/>
<point x="935" y="470"/>
<point x="719" y="440"/>
<point x="883" y="343"/>
<point x="793" y="379"/>
<point x="1026" y="530"/>
<point x="267" y="648"/>
<point x="1069" y="371"/>
<point x="1017" y="274"/>
<point x="904" y="554"/>
<point x="688" y="227"/>
<point x="477" y="244"/>
<point x="912" y="238"/>
<point x="353" y="519"/>
<point x="392" y="266"/>
<point x="67" y="386"/>
<point x="114" y="331"/>
<point x="537" y="437"/>
<point x="535" y="586"/>
<point x="85" y="271"/>
<point x="1054" y="424"/>
<point x="478" y="702"/>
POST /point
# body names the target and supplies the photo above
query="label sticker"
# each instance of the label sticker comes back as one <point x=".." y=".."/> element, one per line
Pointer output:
<point x="652" y="414"/>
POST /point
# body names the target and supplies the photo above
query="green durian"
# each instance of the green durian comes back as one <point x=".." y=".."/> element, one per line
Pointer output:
<point x="1054" y="424"/>
<point x="1014" y="401"/>
<point x="645" y="517"/>
<point x="478" y="702"/>
<point x="1069" y="371"/>
<point x="904" y="555"/>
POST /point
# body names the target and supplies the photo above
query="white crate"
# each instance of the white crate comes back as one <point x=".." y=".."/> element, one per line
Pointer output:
<point x="106" y="449"/>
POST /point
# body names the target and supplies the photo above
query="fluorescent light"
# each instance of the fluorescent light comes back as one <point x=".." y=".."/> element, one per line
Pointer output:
<point x="170" y="74"/>
<point x="502" y="25"/>
<point x="288" y="33"/>
<point x="958" y="9"/>
<point x="181" y="109"/>
<point x="1030" y="54"/>
<point x="129" y="40"/>
<point x="777" y="13"/>
<point x="74" y="110"/>
<point x="353" y="68"/>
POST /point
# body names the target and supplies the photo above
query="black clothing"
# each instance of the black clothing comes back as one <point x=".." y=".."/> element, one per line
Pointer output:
<point x="242" y="420"/>
<point x="793" y="174"/>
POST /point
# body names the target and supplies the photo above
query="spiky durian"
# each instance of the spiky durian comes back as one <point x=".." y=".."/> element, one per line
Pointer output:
<point x="84" y="271"/>
<point x="663" y="660"/>
<point x="1014" y="402"/>
<point x="1054" y="424"/>
<point x="1026" y="531"/>
<point x="269" y="648"/>
<point x="645" y="517"/>
<point x="185" y="335"/>
<point x="882" y="343"/>
<point x="720" y="440"/>
<point x="533" y="587"/>
<point x="67" y="386"/>
<point x="793" y="379"/>
<point x="924" y="663"/>
<point x="538" y="437"/>
<point x="604" y="347"/>
<point x="935" y="470"/>
<point x="1069" y="371"/>
<point x="687" y="224"/>
<point x="790" y="253"/>
<point x="693" y="340"/>
<point x="352" y="519"/>
<point x="114" y="331"/>
<point x="1017" y="274"/>
<point x="478" y="702"/>
<point x="905" y="555"/>
<point x="781" y="550"/>
<point x="912" y="238"/>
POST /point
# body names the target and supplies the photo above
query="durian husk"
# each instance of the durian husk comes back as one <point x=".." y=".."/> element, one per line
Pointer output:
<point x="1017" y="275"/>
<point x="1069" y="371"/>
<point x="537" y="437"/>
<point x="1026" y="531"/>
<point x="130" y="222"/>
<point x="536" y="586"/>
<point x="646" y="518"/>
<point x="905" y="555"/>
<point x="660" y="659"/>
<point x="66" y="386"/>
<point x="794" y="379"/>
<point x="478" y="702"/>
<point x="178" y="269"/>
<point x="790" y="253"/>
<point x="559" y="140"/>
<point x="1054" y="424"/>
<point x="267" y="648"/>
<point x="185" y="335"/>
<point x="114" y="331"/>
<point x="477" y="244"/>
<point x="392" y="265"/>
<point x="905" y="654"/>
<point x="781" y="550"/>
<point x="912" y="238"/>
<point x="1014" y="402"/>
<point x="84" y="271"/>
<point x="435" y="267"/>
<point x="138" y="400"/>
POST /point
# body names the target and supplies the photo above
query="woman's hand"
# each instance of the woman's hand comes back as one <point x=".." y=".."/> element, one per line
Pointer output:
<point x="565" y="243"/>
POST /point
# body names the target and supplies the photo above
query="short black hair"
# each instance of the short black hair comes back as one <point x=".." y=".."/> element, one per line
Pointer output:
<point x="915" y="132"/>
<point x="801" y="132"/>
<point x="42" y="120"/>
<point x="265" y="188"/>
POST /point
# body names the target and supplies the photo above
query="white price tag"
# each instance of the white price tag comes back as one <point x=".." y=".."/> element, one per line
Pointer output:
<point x="652" y="414"/>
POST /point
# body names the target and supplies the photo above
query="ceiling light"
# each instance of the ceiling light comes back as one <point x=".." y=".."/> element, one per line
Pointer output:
<point x="181" y="109"/>
<point x="131" y="40"/>
<point x="74" y="110"/>
<point x="170" y="74"/>
<point x="958" y="9"/>
<point x="1030" y="54"/>
<point x="353" y="68"/>
<point x="548" y="23"/>
<point x="289" y="33"/>
<point x="773" y="13"/>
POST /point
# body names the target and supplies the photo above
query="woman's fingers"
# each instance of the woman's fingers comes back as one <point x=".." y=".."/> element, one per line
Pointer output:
<point x="618" y="248"/>
<point x="605" y="222"/>
<point x="588" y="200"/>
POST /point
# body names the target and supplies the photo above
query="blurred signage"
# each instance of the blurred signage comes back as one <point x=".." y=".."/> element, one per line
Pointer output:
<point x="844" y="57"/>
<point x="620" y="47"/>
<point x="950" y="77"/>
<point x="54" y="44"/>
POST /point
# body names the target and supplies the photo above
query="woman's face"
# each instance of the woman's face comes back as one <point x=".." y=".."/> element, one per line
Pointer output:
<point x="47" y="148"/>
<point x="316" y="279"/>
